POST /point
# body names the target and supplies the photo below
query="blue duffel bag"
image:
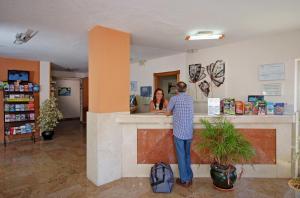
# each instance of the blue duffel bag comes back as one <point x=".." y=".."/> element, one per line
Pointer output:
<point x="161" y="178"/>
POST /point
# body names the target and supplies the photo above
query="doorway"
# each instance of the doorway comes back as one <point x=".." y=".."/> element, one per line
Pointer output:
<point x="84" y="99"/>
<point x="68" y="97"/>
<point x="167" y="82"/>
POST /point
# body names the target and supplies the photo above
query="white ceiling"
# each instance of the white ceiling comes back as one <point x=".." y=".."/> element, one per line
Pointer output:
<point x="158" y="27"/>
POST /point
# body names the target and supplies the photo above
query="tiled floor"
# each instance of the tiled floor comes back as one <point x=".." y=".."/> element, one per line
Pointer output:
<point x="57" y="169"/>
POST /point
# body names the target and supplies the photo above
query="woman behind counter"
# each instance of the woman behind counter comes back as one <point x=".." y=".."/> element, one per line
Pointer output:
<point x="159" y="104"/>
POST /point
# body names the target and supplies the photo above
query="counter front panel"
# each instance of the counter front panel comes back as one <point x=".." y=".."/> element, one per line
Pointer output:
<point x="155" y="145"/>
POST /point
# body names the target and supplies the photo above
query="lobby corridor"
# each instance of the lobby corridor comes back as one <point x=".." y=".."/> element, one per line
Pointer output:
<point x="57" y="168"/>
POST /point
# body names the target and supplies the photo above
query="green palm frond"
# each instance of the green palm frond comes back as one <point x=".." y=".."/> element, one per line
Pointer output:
<point x="224" y="142"/>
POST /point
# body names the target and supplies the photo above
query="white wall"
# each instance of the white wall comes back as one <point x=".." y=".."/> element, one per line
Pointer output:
<point x="297" y="86"/>
<point x="143" y="74"/>
<point x="61" y="75"/>
<point x="69" y="105"/>
<point x="66" y="74"/>
<point x="242" y="62"/>
<point x="45" y="72"/>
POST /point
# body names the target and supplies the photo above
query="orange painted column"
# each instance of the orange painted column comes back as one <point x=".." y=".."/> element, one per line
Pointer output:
<point x="109" y="70"/>
<point x="109" y="64"/>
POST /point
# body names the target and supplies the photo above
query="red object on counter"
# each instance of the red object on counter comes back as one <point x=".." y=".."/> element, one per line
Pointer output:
<point x="239" y="108"/>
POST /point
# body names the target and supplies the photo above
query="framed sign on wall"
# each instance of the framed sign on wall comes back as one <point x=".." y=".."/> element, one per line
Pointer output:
<point x="272" y="89"/>
<point x="271" y="72"/>
<point x="64" y="91"/>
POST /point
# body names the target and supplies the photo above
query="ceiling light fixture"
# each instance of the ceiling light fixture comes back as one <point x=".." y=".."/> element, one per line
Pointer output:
<point x="204" y="35"/>
<point x="24" y="37"/>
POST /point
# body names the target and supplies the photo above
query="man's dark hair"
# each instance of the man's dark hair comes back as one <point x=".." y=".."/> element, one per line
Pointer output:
<point x="181" y="86"/>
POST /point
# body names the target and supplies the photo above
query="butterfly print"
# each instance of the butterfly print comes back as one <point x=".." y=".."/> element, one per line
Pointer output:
<point x="216" y="72"/>
<point x="196" y="73"/>
<point x="205" y="87"/>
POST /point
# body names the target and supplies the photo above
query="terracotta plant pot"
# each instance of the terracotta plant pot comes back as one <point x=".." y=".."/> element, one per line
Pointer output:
<point x="295" y="185"/>
<point x="223" y="177"/>
<point x="47" y="135"/>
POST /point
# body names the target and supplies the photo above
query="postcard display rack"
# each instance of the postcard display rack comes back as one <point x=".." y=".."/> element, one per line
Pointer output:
<point x="19" y="111"/>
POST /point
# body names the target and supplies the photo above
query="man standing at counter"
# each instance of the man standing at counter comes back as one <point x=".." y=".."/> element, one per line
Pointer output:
<point x="181" y="106"/>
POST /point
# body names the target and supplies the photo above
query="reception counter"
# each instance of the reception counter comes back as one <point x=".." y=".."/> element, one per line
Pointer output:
<point x="137" y="141"/>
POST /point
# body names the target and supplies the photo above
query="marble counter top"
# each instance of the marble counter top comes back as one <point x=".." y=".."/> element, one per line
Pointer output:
<point x="149" y="118"/>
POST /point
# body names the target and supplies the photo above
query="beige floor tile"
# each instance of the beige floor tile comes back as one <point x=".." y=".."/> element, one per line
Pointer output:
<point x="57" y="168"/>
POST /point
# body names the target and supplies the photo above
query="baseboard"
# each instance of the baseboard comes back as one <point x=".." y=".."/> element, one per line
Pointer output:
<point x="66" y="119"/>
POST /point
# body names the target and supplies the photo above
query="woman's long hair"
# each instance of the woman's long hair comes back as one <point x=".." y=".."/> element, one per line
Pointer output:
<point x="162" y="101"/>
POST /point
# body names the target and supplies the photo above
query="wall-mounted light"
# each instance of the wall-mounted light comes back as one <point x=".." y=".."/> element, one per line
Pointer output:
<point x="205" y="35"/>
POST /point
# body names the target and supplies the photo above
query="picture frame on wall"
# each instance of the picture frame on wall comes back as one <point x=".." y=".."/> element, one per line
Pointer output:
<point x="64" y="91"/>
<point x="272" y="89"/>
<point x="269" y="72"/>
<point x="133" y="86"/>
<point x="146" y="91"/>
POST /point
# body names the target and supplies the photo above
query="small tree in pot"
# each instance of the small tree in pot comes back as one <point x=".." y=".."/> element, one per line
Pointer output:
<point x="49" y="117"/>
<point x="226" y="146"/>
<point x="294" y="183"/>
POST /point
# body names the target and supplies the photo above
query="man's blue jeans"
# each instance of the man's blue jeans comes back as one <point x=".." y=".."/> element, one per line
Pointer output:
<point x="183" y="152"/>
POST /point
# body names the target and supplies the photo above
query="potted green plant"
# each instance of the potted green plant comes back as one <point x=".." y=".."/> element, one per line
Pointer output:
<point x="294" y="183"/>
<point x="49" y="117"/>
<point x="225" y="146"/>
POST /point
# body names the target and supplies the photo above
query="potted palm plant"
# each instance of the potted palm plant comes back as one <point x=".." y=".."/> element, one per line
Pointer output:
<point x="294" y="183"/>
<point x="49" y="117"/>
<point x="225" y="146"/>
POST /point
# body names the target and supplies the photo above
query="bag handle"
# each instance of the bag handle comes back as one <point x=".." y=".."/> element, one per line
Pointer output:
<point x="158" y="181"/>
<point x="156" y="166"/>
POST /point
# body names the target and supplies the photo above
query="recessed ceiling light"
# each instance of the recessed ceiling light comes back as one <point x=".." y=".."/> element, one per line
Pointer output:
<point x="204" y="35"/>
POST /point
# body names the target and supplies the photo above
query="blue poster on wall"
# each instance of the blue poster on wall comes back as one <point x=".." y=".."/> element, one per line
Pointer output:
<point x="133" y="86"/>
<point x="64" y="91"/>
<point x="146" y="91"/>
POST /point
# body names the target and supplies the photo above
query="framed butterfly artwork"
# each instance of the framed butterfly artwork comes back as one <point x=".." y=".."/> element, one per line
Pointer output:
<point x="205" y="87"/>
<point x="216" y="72"/>
<point x="205" y="78"/>
<point x="196" y="73"/>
